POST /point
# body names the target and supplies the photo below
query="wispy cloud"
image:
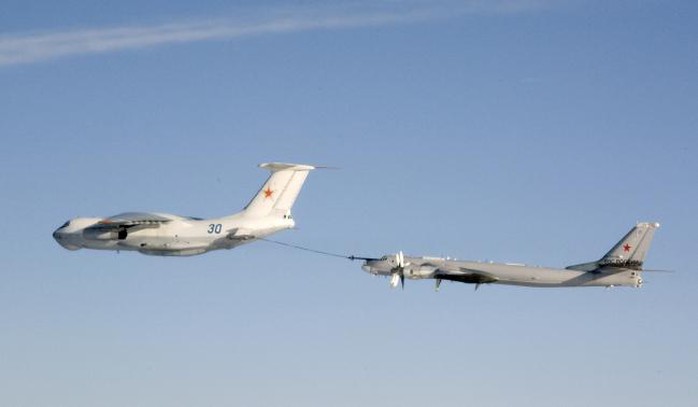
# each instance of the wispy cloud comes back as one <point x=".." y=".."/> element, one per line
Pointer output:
<point x="37" y="47"/>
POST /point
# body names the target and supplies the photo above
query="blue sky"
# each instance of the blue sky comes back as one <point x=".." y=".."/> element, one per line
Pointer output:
<point x="528" y="131"/>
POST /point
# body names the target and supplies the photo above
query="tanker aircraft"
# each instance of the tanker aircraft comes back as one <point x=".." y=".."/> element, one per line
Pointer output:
<point x="621" y="266"/>
<point x="162" y="234"/>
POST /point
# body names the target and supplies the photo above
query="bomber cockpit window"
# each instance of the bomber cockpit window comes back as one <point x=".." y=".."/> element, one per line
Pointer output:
<point x="65" y="224"/>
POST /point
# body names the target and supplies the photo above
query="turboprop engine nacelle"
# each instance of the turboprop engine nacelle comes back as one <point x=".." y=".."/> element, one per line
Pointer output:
<point x="424" y="271"/>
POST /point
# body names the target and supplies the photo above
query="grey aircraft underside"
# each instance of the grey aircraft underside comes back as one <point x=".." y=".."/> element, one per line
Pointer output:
<point x="621" y="266"/>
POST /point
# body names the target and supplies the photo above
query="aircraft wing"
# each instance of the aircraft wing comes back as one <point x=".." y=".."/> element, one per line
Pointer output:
<point x="464" y="275"/>
<point x="139" y="220"/>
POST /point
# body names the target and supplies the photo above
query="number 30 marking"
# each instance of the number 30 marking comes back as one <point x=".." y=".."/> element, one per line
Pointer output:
<point x="215" y="228"/>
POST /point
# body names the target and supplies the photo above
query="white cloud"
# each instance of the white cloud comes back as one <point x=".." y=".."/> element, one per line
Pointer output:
<point x="37" y="47"/>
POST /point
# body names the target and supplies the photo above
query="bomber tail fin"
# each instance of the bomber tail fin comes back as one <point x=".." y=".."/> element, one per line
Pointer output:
<point x="628" y="253"/>
<point x="279" y="192"/>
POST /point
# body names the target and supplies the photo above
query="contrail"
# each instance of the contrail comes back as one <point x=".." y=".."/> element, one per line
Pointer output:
<point x="37" y="47"/>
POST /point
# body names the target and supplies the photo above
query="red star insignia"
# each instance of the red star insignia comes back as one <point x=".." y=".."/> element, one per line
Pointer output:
<point x="268" y="193"/>
<point x="626" y="247"/>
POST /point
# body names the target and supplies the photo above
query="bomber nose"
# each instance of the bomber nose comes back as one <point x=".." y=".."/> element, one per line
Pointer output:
<point x="56" y="234"/>
<point x="368" y="266"/>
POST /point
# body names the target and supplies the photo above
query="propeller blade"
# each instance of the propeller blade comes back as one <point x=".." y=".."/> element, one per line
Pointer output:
<point x="394" y="280"/>
<point x="402" y="281"/>
<point x="400" y="260"/>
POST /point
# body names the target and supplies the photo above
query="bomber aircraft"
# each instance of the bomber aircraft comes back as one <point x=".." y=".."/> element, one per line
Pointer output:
<point x="162" y="234"/>
<point x="621" y="266"/>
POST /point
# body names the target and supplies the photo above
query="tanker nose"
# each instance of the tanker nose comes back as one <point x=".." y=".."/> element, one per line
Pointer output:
<point x="63" y="239"/>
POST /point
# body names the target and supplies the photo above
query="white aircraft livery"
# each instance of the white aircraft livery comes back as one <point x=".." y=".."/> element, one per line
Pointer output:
<point x="162" y="234"/>
<point x="621" y="266"/>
